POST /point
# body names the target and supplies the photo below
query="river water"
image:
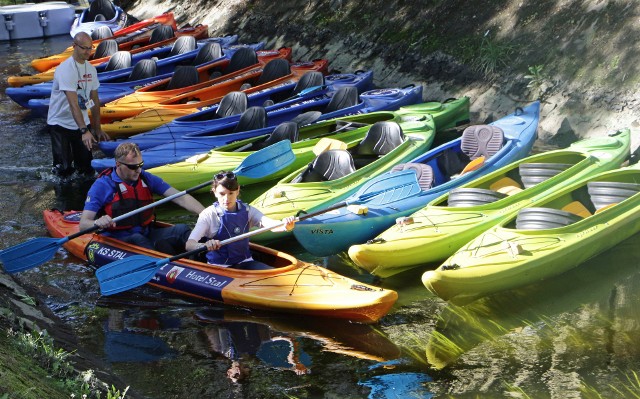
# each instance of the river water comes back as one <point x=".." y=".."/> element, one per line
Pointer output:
<point x="573" y="336"/>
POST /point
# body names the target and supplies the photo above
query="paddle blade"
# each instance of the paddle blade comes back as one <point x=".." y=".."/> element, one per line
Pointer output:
<point x="125" y="274"/>
<point x="267" y="161"/>
<point x="30" y="254"/>
<point x="387" y="188"/>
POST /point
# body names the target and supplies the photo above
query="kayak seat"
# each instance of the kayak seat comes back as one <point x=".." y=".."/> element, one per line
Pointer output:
<point x="161" y="33"/>
<point x="106" y="48"/>
<point x="544" y="218"/>
<point x="604" y="193"/>
<point x="251" y="119"/>
<point x="208" y="52"/>
<point x="424" y="173"/>
<point x="470" y="196"/>
<point x="308" y="80"/>
<point x="477" y="143"/>
<point x="101" y="32"/>
<point x="242" y="58"/>
<point x="120" y="60"/>
<point x="534" y="173"/>
<point x="182" y="45"/>
<point x="144" y="69"/>
<point x="506" y="185"/>
<point x="183" y="76"/>
<point x="329" y="165"/>
<point x="232" y="103"/>
<point x="344" y="97"/>
<point x="381" y="139"/>
<point x="99" y="18"/>
<point x="276" y="68"/>
<point x="284" y="131"/>
<point x="100" y="7"/>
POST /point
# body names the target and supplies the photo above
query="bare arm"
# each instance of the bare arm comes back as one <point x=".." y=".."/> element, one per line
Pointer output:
<point x="95" y="118"/>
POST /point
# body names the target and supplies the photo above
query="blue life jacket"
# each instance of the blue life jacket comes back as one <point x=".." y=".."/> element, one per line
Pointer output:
<point x="231" y="224"/>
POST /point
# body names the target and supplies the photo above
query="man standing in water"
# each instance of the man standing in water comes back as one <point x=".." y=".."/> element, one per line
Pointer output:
<point x="74" y="92"/>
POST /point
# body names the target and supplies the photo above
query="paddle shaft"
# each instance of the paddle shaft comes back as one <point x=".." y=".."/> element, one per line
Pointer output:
<point x="252" y="233"/>
<point x="142" y="209"/>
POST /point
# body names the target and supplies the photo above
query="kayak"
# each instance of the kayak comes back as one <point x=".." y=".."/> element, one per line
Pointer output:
<point x="235" y="130"/>
<point x="550" y="236"/>
<point x="335" y="174"/>
<point x="108" y="65"/>
<point x="133" y="35"/>
<point x="243" y="60"/>
<point x="453" y="219"/>
<point x="484" y="147"/>
<point x="208" y="56"/>
<point x="204" y="124"/>
<point x="99" y="13"/>
<point x="276" y="73"/>
<point x="311" y="139"/>
<point x="293" y="286"/>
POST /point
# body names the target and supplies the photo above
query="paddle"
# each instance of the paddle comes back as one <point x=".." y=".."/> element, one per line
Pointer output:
<point x="37" y="251"/>
<point x="136" y="270"/>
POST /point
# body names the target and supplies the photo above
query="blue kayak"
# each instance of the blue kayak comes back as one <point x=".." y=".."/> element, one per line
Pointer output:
<point x="181" y="149"/>
<point x="487" y="147"/>
<point x="207" y="123"/>
<point x="124" y="80"/>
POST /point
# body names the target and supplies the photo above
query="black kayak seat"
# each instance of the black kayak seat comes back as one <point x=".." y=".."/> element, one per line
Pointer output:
<point x="183" y="44"/>
<point x="251" y="119"/>
<point x="344" y="97"/>
<point x="424" y="173"/>
<point x="183" y="76"/>
<point x="329" y="165"/>
<point x="308" y="80"/>
<point x="101" y="32"/>
<point x="100" y="7"/>
<point x="232" y="103"/>
<point x="144" y="69"/>
<point x="275" y="69"/>
<point x="242" y="58"/>
<point x="208" y="52"/>
<point x="284" y="131"/>
<point x="381" y="139"/>
<point x="106" y="48"/>
<point x="120" y="60"/>
<point x="161" y="33"/>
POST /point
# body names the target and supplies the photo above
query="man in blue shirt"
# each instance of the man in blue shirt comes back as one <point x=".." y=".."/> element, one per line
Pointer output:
<point x="127" y="187"/>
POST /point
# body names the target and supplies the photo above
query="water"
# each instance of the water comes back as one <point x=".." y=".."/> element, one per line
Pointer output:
<point x="567" y="337"/>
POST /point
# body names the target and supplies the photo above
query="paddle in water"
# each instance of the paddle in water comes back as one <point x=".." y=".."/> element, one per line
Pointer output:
<point x="136" y="270"/>
<point x="40" y="250"/>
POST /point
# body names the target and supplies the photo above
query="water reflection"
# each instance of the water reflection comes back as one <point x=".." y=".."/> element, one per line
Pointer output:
<point x="605" y="289"/>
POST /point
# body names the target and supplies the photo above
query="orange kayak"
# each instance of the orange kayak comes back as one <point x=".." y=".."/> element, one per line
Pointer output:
<point x="127" y="38"/>
<point x="151" y="116"/>
<point x="200" y="32"/>
<point x="292" y="286"/>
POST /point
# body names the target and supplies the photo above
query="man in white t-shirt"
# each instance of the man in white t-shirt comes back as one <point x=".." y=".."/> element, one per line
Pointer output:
<point x="74" y="92"/>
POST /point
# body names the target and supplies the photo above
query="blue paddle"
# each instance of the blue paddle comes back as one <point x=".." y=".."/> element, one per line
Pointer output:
<point x="136" y="270"/>
<point x="37" y="251"/>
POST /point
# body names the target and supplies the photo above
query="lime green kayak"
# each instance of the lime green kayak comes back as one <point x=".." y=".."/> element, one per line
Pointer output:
<point x="348" y="129"/>
<point x="548" y="237"/>
<point x="447" y="223"/>
<point x="335" y="174"/>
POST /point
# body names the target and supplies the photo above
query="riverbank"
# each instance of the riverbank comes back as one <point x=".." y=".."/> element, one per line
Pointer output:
<point x="573" y="55"/>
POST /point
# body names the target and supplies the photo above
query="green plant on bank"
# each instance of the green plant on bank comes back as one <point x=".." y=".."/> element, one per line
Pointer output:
<point x="539" y="81"/>
<point x="39" y="346"/>
<point x="492" y="55"/>
<point x="623" y="389"/>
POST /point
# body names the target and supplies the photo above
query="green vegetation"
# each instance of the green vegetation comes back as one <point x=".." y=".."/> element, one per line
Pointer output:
<point x="32" y="367"/>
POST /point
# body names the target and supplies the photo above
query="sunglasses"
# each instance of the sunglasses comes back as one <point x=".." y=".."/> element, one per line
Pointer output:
<point x="83" y="47"/>
<point x="134" y="166"/>
<point x="228" y="175"/>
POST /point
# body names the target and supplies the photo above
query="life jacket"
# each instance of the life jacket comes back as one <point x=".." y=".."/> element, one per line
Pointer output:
<point x="127" y="198"/>
<point x="231" y="224"/>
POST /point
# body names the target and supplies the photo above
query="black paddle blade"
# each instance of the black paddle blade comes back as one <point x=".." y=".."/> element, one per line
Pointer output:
<point x="30" y="254"/>
<point x="125" y="274"/>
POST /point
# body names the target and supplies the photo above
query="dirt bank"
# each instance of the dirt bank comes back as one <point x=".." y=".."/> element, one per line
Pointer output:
<point x="573" y="55"/>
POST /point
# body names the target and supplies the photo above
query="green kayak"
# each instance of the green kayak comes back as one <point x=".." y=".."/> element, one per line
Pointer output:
<point x="335" y="174"/>
<point x="447" y="223"/>
<point x="548" y="237"/>
<point x="306" y="142"/>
